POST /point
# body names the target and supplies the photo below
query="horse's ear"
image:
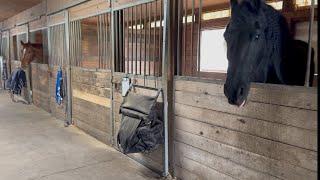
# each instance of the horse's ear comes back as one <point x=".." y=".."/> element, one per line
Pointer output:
<point x="22" y="43"/>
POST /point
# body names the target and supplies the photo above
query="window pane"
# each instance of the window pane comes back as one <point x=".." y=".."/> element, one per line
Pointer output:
<point x="305" y="2"/>
<point x="213" y="51"/>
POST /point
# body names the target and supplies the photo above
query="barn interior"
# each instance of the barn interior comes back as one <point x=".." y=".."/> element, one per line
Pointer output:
<point x="175" y="46"/>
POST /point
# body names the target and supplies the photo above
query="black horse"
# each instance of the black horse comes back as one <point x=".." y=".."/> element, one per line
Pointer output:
<point x="261" y="49"/>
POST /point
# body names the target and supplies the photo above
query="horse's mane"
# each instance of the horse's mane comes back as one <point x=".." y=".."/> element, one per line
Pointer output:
<point x="277" y="33"/>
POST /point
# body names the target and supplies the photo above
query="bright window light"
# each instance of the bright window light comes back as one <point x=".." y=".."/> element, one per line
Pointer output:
<point x="156" y="24"/>
<point x="277" y="5"/>
<point x="301" y="3"/>
<point x="189" y="19"/>
<point x="139" y="26"/>
<point x="216" y="14"/>
<point x="213" y="51"/>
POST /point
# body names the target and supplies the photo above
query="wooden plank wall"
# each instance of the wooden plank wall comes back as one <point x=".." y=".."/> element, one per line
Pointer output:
<point x="58" y="5"/>
<point x="91" y="104"/>
<point x="273" y="137"/>
<point x="40" y="88"/>
<point x="154" y="159"/>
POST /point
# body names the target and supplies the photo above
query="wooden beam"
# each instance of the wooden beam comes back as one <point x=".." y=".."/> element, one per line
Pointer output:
<point x="106" y="102"/>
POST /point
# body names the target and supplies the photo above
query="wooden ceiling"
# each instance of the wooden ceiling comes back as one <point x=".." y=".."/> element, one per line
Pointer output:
<point x="10" y="8"/>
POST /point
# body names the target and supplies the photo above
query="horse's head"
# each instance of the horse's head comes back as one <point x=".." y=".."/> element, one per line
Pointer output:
<point x="29" y="52"/>
<point x="246" y="44"/>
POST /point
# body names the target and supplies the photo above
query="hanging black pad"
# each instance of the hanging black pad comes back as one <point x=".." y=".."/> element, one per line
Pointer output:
<point x="141" y="127"/>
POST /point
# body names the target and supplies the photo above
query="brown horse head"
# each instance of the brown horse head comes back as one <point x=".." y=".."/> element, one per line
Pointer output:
<point x="30" y="51"/>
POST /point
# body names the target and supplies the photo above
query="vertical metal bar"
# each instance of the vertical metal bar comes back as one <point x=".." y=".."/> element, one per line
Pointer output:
<point x="49" y="67"/>
<point x="131" y="40"/>
<point x="107" y="60"/>
<point x="136" y="39"/>
<point x="149" y="42"/>
<point x="123" y="40"/>
<point x="102" y="41"/>
<point x="145" y="39"/>
<point x="55" y="54"/>
<point x="71" y="42"/>
<point x="79" y="38"/>
<point x="140" y="39"/>
<point x="108" y="63"/>
<point x="160" y="39"/>
<point x="28" y="72"/>
<point x="128" y="43"/>
<point x="105" y="17"/>
<point x="154" y="40"/>
<point x="49" y="45"/>
<point x="53" y="45"/>
<point x="307" y="79"/>
<point x="104" y="25"/>
<point x="69" y="95"/>
<point x="192" y="29"/>
<point x="116" y="38"/>
<point x="59" y="39"/>
<point x="179" y="38"/>
<point x="185" y="38"/>
<point x="121" y="34"/>
<point x="100" y="20"/>
<point x="99" y="44"/>
<point x="199" y="38"/>
<point x="165" y="59"/>
<point x="112" y="74"/>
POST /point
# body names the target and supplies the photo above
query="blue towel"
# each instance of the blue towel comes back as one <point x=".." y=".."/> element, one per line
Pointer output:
<point x="59" y="88"/>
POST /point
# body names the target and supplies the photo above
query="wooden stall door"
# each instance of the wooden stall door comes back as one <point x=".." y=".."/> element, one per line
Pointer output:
<point x="273" y="137"/>
<point x="91" y="103"/>
<point x="40" y="88"/>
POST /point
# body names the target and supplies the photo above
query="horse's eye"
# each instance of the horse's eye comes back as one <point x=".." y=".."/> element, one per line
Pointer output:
<point x="257" y="36"/>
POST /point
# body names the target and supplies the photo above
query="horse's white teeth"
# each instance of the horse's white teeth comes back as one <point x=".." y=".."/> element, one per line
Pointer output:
<point x="243" y="103"/>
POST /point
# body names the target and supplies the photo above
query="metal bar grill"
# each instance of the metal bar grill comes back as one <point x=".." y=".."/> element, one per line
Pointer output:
<point x="80" y="42"/>
<point x="140" y="39"/>
<point x="57" y="45"/>
<point x="190" y="13"/>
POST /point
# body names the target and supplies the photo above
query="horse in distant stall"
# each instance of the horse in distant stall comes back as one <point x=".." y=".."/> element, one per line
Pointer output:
<point x="30" y="52"/>
<point x="261" y="49"/>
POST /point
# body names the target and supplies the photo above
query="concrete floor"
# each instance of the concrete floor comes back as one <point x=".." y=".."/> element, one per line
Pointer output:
<point x="36" y="146"/>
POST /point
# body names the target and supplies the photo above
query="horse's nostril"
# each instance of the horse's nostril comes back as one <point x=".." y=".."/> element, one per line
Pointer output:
<point x="241" y="92"/>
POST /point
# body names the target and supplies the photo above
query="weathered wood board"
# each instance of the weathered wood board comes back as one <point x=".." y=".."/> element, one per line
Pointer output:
<point x="40" y="88"/>
<point x="91" y="102"/>
<point x="273" y="137"/>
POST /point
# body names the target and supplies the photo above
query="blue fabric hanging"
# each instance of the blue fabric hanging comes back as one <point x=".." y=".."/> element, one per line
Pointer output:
<point x="59" y="87"/>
